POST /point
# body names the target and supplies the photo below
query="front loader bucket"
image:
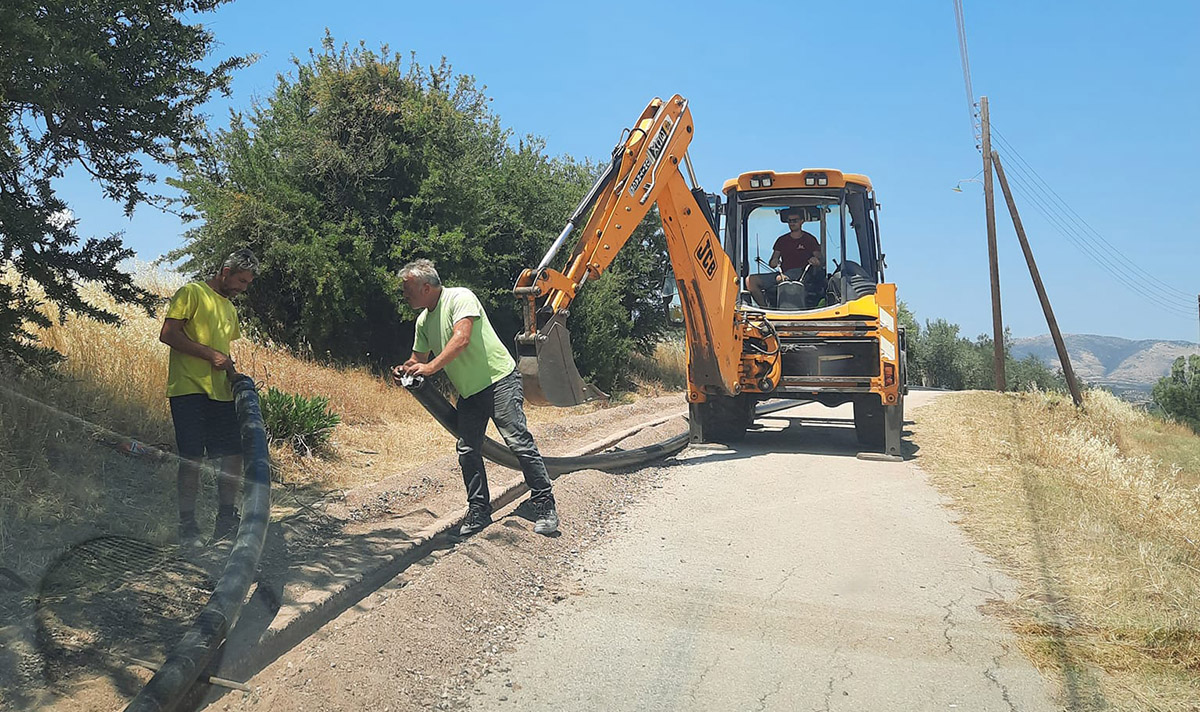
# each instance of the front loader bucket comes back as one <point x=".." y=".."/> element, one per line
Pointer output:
<point x="548" y="371"/>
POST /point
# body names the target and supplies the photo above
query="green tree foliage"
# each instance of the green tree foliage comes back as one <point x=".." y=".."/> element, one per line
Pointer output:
<point x="1030" y="373"/>
<point x="361" y="161"/>
<point x="602" y="331"/>
<point x="109" y="86"/>
<point x="943" y="355"/>
<point x="912" y="330"/>
<point x="1178" y="394"/>
<point x="939" y="357"/>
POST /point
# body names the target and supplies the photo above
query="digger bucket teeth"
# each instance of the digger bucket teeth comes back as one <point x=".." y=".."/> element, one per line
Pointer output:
<point x="547" y="366"/>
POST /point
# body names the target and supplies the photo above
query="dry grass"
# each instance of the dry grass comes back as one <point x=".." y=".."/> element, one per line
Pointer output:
<point x="665" y="371"/>
<point x="1096" y="514"/>
<point x="56" y="480"/>
<point x="117" y="378"/>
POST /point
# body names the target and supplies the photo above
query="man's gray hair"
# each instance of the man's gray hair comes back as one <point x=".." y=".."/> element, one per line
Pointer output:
<point x="241" y="261"/>
<point x="422" y="270"/>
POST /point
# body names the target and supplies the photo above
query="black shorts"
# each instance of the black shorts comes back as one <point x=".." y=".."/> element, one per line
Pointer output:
<point x="205" y="427"/>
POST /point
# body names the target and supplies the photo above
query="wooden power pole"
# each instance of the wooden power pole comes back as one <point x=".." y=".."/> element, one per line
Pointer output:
<point x="1059" y="344"/>
<point x="993" y="263"/>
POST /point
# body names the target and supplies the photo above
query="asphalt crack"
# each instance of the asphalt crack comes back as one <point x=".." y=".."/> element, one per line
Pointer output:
<point x="949" y="625"/>
<point x="700" y="680"/>
<point x="762" y="701"/>
<point x="990" y="674"/>
<point x="787" y="577"/>
<point x="833" y="683"/>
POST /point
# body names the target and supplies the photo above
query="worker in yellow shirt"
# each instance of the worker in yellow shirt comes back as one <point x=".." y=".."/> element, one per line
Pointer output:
<point x="200" y="324"/>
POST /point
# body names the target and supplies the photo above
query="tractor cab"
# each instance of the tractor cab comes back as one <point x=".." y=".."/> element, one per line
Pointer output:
<point x="802" y="241"/>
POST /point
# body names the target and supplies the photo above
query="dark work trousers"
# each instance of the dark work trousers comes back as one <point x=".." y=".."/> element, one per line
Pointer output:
<point x="503" y="402"/>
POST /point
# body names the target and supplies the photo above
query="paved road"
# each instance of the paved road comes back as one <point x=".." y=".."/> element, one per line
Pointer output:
<point x="772" y="578"/>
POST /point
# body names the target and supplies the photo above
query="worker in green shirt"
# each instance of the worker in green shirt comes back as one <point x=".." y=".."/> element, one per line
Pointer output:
<point x="453" y="334"/>
<point x="200" y="324"/>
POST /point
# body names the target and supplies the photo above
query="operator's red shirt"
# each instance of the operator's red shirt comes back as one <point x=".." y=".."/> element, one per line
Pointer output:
<point x="794" y="253"/>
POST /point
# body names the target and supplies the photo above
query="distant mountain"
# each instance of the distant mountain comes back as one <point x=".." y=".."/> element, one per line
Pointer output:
<point x="1127" y="367"/>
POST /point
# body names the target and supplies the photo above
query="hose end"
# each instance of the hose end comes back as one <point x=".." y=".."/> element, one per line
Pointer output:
<point x="412" y="383"/>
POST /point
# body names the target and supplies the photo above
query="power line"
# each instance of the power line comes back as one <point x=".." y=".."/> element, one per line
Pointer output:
<point x="1039" y="200"/>
<point x="1102" y="244"/>
<point x="1070" y="228"/>
<point x="1064" y="218"/>
<point x="1034" y="196"/>
<point x="961" y="23"/>
<point x="1148" y="289"/>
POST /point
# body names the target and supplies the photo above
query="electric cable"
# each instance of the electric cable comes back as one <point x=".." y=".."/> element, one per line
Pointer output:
<point x="1033" y="197"/>
<point x="961" y="24"/>
<point x="1169" y="291"/>
<point x="1023" y="184"/>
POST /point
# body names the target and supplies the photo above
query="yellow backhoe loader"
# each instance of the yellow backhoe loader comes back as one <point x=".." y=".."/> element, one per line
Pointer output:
<point x="830" y="335"/>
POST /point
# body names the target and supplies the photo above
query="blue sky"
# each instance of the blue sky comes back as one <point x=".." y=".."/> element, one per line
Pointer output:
<point x="1097" y="97"/>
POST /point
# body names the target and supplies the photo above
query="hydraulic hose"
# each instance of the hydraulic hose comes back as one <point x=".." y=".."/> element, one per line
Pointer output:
<point x="447" y="415"/>
<point x="196" y="649"/>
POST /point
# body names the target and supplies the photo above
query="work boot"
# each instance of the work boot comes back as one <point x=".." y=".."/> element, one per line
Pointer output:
<point x="189" y="535"/>
<point x="477" y="518"/>
<point x="227" y="525"/>
<point x="547" y="517"/>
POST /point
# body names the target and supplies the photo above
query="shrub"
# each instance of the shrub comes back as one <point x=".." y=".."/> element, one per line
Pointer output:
<point x="601" y="332"/>
<point x="1179" y="393"/>
<point x="306" y="423"/>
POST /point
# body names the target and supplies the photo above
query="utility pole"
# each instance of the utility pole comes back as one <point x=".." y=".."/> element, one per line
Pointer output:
<point x="1055" y="334"/>
<point x="993" y="263"/>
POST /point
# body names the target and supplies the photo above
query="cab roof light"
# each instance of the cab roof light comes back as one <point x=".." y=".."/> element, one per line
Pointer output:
<point x="761" y="180"/>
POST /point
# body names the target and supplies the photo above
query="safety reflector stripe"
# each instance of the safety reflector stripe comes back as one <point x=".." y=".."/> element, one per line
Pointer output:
<point x="886" y="320"/>
<point x="887" y="348"/>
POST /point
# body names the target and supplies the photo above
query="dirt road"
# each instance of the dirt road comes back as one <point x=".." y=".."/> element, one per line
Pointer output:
<point x="768" y="579"/>
<point x="784" y="574"/>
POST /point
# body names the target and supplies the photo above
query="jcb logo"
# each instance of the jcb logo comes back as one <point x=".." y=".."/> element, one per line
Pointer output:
<point x="708" y="261"/>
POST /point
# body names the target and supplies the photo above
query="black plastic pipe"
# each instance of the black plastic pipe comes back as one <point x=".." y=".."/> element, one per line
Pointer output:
<point x="196" y="649"/>
<point x="447" y="415"/>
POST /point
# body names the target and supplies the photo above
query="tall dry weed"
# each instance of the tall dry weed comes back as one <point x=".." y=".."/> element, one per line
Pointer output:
<point x="1102" y="536"/>
<point x="666" y="370"/>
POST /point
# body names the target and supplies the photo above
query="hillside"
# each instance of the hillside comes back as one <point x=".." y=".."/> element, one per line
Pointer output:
<point x="1127" y="367"/>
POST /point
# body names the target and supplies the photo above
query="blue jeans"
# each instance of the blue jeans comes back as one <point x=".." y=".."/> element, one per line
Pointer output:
<point x="503" y="402"/>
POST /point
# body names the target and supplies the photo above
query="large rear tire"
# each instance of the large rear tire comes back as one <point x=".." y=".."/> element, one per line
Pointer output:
<point x="868" y="421"/>
<point x="720" y="419"/>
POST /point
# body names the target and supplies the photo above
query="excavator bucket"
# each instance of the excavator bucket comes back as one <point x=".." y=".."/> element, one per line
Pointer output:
<point x="548" y="371"/>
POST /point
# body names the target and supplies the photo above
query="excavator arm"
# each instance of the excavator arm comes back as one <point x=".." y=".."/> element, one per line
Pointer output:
<point x="645" y="170"/>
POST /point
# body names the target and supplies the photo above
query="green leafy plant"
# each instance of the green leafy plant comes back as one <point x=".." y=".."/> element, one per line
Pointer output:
<point x="306" y="423"/>
<point x="1178" y="395"/>
<point x="360" y="161"/>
